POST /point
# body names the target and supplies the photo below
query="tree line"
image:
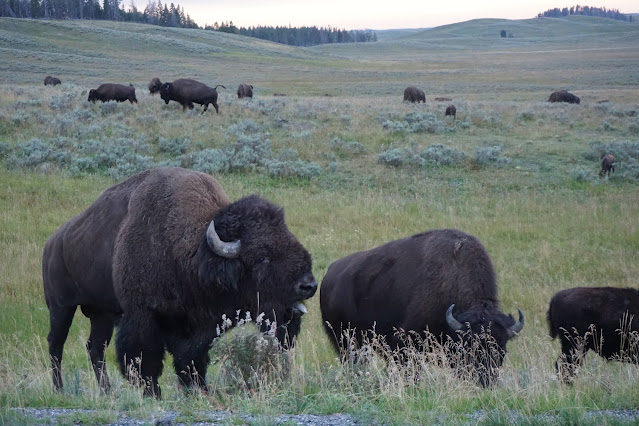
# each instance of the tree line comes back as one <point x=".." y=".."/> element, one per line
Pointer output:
<point x="600" y="12"/>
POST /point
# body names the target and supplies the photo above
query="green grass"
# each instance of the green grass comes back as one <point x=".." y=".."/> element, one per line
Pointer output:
<point x="544" y="228"/>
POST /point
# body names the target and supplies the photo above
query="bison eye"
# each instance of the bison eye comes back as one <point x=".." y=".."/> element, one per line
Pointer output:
<point x="263" y="260"/>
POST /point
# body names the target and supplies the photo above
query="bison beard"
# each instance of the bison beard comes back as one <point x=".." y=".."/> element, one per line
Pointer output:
<point x="441" y="281"/>
<point x="164" y="270"/>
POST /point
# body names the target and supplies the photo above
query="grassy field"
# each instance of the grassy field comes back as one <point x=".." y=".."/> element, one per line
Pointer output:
<point x="354" y="167"/>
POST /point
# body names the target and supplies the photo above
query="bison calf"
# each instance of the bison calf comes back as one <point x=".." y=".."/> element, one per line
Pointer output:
<point x="113" y="92"/>
<point x="451" y="111"/>
<point x="53" y="81"/>
<point x="607" y="165"/>
<point x="413" y="94"/>
<point x="439" y="283"/>
<point x="599" y="318"/>
<point x="186" y="91"/>
<point x="244" y="91"/>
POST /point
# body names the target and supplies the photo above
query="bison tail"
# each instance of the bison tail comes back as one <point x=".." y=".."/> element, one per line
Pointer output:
<point x="551" y="328"/>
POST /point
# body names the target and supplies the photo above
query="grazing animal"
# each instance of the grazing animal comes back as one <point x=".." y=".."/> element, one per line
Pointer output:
<point x="413" y="94"/>
<point x="443" y="99"/>
<point x="186" y="91"/>
<point x="604" y="319"/>
<point x="451" y="111"/>
<point x="48" y="80"/>
<point x="563" y="96"/>
<point x="245" y="91"/>
<point x="440" y="280"/>
<point x="165" y="255"/>
<point x="113" y="92"/>
<point x="607" y="165"/>
<point x="154" y="85"/>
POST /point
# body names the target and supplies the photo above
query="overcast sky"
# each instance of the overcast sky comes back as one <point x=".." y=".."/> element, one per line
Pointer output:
<point x="373" y="14"/>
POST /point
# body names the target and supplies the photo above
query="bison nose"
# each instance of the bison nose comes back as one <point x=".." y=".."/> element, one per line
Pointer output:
<point x="307" y="287"/>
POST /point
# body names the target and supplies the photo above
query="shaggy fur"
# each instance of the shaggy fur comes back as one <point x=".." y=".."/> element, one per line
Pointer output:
<point x="244" y="91"/>
<point x="451" y="111"/>
<point x="563" y="96"/>
<point x="113" y="92"/>
<point x="607" y="165"/>
<point x="409" y="284"/>
<point x="186" y="92"/>
<point x="413" y="94"/>
<point x="48" y="80"/>
<point x="154" y="85"/>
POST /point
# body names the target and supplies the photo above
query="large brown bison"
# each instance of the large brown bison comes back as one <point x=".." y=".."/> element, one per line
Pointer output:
<point x="563" y="96"/>
<point x="604" y="319"/>
<point x="113" y="92"/>
<point x="451" y="111"/>
<point x="154" y="85"/>
<point x="167" y="254"/>
<point x="186" y="91"/>
<point x="52" y="81"/>
<point x="413" y="94"/>
<point x="440" y="280"/>
<point x="607" y="165"/>
<point x="245" y="91"/>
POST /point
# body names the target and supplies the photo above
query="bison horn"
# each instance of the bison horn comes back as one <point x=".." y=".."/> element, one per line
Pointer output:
<point x="450" y="319"/>
<point x="516" y="327"/>
<point x="219" y="247"/>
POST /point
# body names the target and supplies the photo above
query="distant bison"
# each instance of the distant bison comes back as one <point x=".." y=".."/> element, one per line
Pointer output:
<point x="443" y="99"/>
<point x="167" y="255"/>
<point x="186" y="91"/>
<point x="604" y="319"/>
<point x="244" y="91"/>
<point x="563" y="96"/>
<point x="441" y="281"/>
<point x="154" y="85"/>
<point x="51" y="81"/>
<point x="607" y="165"/>
<point x="413" y="94"/>
<point x="113" y="92"/>
<point x="451" y="111"/>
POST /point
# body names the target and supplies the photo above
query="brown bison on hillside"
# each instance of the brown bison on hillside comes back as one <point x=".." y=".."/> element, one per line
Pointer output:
<point x="245" y="91"/>
<point x="603" y="319"/>
<point x="451" y="111"/>
<point x="186" y="91"/>
<point x="165" y="255"/>
<point x="563" y="96"/>
<point x="113" y="92"/>
<point x="441" y="281"/>
<point x="154" y="85"/>
<point x="607" y="165"/>
<point x="413" y="94"/>
<point x="53" y="81"/>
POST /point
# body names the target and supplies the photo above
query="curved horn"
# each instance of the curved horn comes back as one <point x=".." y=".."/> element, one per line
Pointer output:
<point x="450" y="319"/>
<point x="219" y="247"/>
<point x="516" y="327"/>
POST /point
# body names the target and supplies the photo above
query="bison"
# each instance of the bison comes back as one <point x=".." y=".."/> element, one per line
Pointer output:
<point x="440" y="281"/>
<point x="563" y="96"/>
<point x="603" y="319"/>
<point x="413" y="94"/>
<point x="165" y="256"/>
<point x="186" y="91"/>
<point x="154" y="85"/>
<point x="607" y="165"/>
<point x="53" y="81"/>
<point x="244" y="91"/>
<point x="451" y="111"/>
<point x="113" y="92"/>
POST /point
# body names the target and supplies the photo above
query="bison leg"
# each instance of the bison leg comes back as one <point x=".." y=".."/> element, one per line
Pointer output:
<point x="140" y="351"/>
<point x="217" y="110"/>
<point x="99" y="339"/>
<point x="190" y="358"/>
<point x="60" y="318"/>
<point x="569" y="361"/>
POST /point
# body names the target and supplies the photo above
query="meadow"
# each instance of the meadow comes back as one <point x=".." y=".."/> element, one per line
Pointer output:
<point x="354" y="167"/>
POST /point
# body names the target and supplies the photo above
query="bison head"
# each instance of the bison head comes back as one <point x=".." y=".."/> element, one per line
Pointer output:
<point x="154" y="85"/>
<point x="92" y="96"/>
<point x="250" y="255"/>
<point x="482" y="334"/>
<point x="165" y="92"/>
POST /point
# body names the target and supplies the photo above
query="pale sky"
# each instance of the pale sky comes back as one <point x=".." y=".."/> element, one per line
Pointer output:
<point x="374" y="14"/>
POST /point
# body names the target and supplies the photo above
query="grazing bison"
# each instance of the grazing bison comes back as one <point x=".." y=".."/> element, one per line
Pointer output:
<point x="186" y="91"/>
<point x="443" y="99"/>
<point x="607" y="165"/>
<point x="441" y="281"/>
<point x="154" y="85"/>
<point x="48" y="80"/>
<point x="451" y="111"/>
<point x="563" y="96"/>
<point x="165" y="255"/>
<point x="113" y="92"/>
<point x="244" y="91"/>
<point x="413" y="94"/>
<point x="603" y="319"/>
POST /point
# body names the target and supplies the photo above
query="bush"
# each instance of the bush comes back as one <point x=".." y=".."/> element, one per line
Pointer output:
<point x="581" y="174"/>
<point x="490" y="154"/>
<point x="438" y="154"/>
<point x="346" y="149"/>
<point x="621" y="150"/>
<point x="416" y="122"/>
<point x="296" y="168"/>
<point x="173" y="146"/>
<point x="434" y="155"/>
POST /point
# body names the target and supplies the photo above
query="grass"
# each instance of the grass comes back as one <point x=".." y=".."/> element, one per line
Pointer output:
<point x="546" y="219"/>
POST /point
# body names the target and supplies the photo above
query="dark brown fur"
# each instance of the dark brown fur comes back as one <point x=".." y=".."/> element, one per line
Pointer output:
<point x="113" y="92"/>
<point x="443" y="99"/>
<point x="186" y="91"/>
<point x="451" y="111"/>
<point x="413" y="94"/>
<point x="154" y="85"/>
<point x="607" y="165"/>
<point x="563" y="96"/>
<point x="409" y="284"/>
<point x="244" y="91"/>
<point x="48" y="80"/>
<point x="139" y="255"/>
<point x="593" y="317"/>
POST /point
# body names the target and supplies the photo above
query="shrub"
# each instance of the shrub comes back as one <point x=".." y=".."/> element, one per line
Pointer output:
<point x="344" y="148"/>
<point x="581" y="174"/>
<point x="296" y="168"/>
<point x="210" y="161"/>
<point x="30" y="154"/>
<point x="130" y="164"/>
<point x="173" y="146"/>
<point x="621" y="150"/>
<point x="62" y="101"/>
<point x="415" y="122"/>
<point x="243" y="127"/>
<point x="489" y="154"/>
<point x="109" y="107"/>
<point x="438" y="154"/>
<point x="434" y="155"/>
